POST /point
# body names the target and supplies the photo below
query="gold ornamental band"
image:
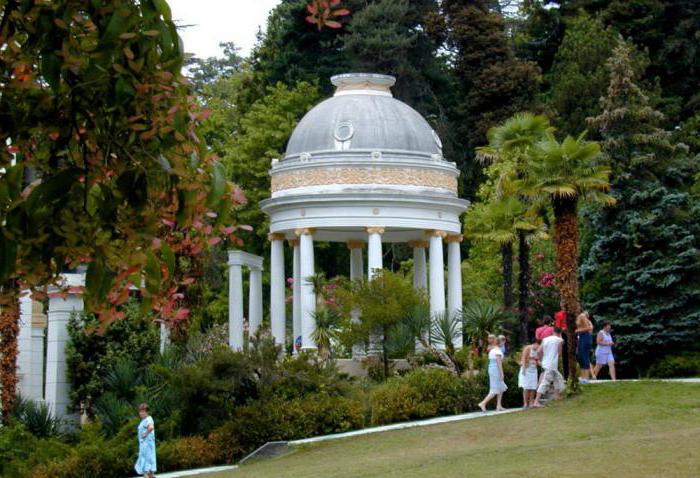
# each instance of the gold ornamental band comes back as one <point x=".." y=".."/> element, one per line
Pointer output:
<point x="454" y="238"/>
<point x="355" y="245"/>
<point x="375" y="230"/>
<point x="362" y="175"/>
<point x="293" y="242"/>
<point x="436" y="233"/>
<point x="276" y="236"/>
<point x="418" y="244"/>
<point x="304" y="231"/>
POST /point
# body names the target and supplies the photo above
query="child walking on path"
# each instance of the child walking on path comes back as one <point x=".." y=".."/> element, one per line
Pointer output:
<point x="527" y="378"/>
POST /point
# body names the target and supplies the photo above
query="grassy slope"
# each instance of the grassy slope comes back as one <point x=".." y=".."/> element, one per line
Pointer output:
<point x="620" y="430"/>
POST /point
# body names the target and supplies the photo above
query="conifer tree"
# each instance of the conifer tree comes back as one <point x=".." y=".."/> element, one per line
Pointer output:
<point x="642" y="270"/>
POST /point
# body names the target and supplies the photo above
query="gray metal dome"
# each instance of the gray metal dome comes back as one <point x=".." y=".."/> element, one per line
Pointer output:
<point x="363" y="115"/>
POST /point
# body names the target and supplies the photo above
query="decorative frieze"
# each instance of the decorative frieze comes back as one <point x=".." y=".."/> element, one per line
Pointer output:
<point x="363" y="175"/>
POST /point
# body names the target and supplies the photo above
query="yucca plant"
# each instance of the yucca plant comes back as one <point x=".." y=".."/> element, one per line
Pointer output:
<point x="38" y="418"/>
<point x="445" y="327"/>
<point x="326" y="332"/>
<point x="122" y="377"/>
<point x="113" y="412"/>
<point x="481" y="318"/>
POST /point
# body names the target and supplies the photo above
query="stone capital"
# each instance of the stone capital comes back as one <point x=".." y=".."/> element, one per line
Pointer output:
<point x="355" y="245"/>
<point x="293" y="242"/>
<point x="304" y="231"/>
<point x="418" y="244"/>
<point x="454" y="238"/>
<point x="436" y="233"/>
<point x="375" y="230"/>
<point x="276" y="236"/>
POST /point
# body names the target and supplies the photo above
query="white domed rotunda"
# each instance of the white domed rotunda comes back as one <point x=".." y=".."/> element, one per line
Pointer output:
<point x="365" y="169"/>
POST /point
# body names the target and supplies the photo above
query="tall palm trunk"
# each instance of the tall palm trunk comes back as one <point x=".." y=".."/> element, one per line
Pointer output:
<point x="507" y="266"/>
<point x="9" y="329"/>
<point x="523" y="286"/>
<point x="566" y="239"/>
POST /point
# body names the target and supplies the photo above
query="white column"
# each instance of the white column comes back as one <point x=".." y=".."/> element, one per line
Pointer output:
<point x="278" y="317"/>
<point x="255" y="308"/>
<point x="37" y="380"/>
<point x="296" y="296"/>
<point x="235" y="306"/>
<point x="307" y="293"/>
<point x="454" y="285"/>
<point x="60" y="310"/>
<point x="356" y="273"/>
<point x="437" y="275"/>
<point x="374" y="251"/>
<point x="420" y="277"/>
<point x="420" y="269"/>
<point x="24" y="346"/>
<point x="374" y="266"/>
<point x="164" y="336"/>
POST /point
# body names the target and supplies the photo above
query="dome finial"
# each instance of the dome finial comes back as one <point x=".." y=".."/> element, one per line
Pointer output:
<point x="363" y="83"/>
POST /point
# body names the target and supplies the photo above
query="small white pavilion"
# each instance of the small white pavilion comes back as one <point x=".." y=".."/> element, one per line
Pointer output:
<point x="365" y="169"/>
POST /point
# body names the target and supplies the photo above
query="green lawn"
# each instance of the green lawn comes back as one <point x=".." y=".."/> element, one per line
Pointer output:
<point x="612" y="430"/>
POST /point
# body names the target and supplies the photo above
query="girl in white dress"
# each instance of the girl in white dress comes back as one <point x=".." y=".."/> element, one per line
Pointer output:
<point x="527" y="378"/>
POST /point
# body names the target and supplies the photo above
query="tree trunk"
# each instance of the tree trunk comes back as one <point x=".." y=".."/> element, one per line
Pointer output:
<point x="385" y="355"/>
<point x="566" y="239"/>
<point x="9" y="329"/>
<point x="524" y="287"/>
<point x="507" y="266"/>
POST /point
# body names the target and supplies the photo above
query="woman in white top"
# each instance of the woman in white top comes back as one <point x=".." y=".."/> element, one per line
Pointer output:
<point x="496" y="383"/>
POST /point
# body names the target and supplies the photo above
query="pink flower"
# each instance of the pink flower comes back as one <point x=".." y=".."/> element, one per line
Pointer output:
<point x="290" y="281"/>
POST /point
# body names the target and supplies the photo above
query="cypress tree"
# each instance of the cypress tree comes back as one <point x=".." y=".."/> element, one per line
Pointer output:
<point x="642" y="270"/>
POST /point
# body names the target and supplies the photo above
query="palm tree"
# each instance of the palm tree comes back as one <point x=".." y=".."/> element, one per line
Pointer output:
<point x="505" y="220"/>
<point x="563" y="174"/>
<point x="507" y="149"/>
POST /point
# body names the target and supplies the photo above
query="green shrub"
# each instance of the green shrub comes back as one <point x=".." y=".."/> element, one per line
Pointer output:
<point x="188" y="452"/>
<point x="424" y="393"/>
<point x="20" y="451"/>
<point x="674" y="366"/>
<point x="94" y="456"/>
<point x="275" y="419"/>
<point x="394" y="401"/>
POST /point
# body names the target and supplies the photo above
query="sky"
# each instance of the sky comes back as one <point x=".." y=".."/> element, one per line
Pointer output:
<point x="215" y="21"/>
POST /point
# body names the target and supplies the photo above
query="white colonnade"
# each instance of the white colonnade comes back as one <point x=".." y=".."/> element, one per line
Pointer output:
<point x="236" y="261"/>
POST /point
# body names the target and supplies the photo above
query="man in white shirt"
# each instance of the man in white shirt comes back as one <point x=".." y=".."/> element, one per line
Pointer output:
<point x="551" y="349"/>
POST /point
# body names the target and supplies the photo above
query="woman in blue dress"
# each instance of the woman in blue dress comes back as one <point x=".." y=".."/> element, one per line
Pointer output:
<point x="146" y="462"/>
<point x="497" y="384"/>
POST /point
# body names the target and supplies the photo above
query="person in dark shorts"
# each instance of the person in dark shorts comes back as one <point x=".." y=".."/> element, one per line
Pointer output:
<point x="584" y="334"/>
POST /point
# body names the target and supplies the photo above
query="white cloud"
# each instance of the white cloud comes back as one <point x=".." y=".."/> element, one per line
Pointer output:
<point x="214" y="21"/>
